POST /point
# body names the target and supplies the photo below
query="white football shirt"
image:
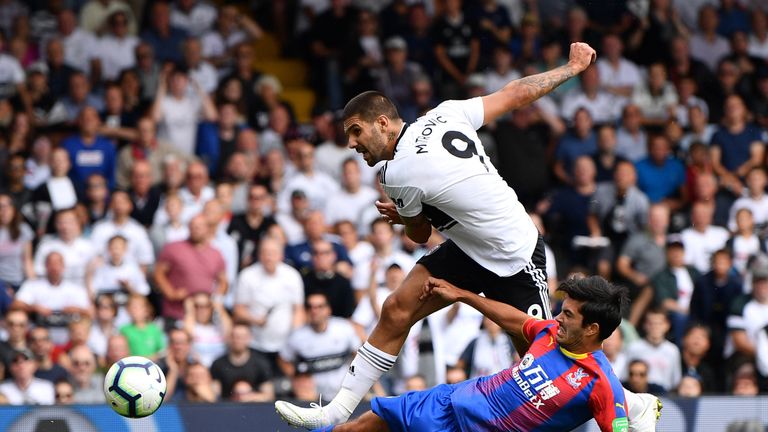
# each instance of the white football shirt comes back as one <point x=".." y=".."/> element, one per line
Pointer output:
<point x="440" y="168"/>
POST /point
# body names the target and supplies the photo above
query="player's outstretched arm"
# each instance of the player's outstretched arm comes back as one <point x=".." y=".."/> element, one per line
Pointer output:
<point x="507" y="317"/>
<point x="525" y="90"/>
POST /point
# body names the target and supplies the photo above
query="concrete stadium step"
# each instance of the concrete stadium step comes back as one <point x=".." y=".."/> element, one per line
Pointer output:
<point x="291" y="73"/>
<point x="302" y="100"/>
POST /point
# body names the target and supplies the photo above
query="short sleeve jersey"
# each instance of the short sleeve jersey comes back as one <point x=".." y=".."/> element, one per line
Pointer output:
<point x="550" y="389"/>
<point x="440" y="168"/>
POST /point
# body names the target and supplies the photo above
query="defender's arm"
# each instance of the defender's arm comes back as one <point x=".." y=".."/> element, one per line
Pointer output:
<point x="507" y="317"/>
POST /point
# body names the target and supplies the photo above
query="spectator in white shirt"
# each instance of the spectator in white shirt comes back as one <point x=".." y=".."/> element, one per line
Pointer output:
<point x="95" y="14"/>
<point x="502" y="71"/>
<point x="699" y="129"/>
<point x="139" y="246"/>
<point x="173" y="229"/>
<point x="656" y="97"/>
<point x="104" y="327"/>
<point x="213" y="210"/>
<point x="618" y="75"/>
<point x="195" y="192"/>
<point x="349" y="203"/>
<point x="755" y="199"/>
<point x="117" y="47"/>
<point x="177" y="112"/>
<point x="602" y="106"/>
<point x="317" y="185"/>
<point x="54" y="299"/>
<point x="24" y="388"/>
<point x="661" y="355"/>
<point x="55" y="194"/>
<point x="200" y="71"/>
<point x="382" y="238"/>
<point x="323" y="347"/>
<point x="117" y="276"/>
<point x="687" y="99"/>
<point x="279" y="130"/>
<point x="490" y="352"/>
<point x="70" y="243"/>
<point x="12" y="78"/>
<point x="38" y="169"/>
<point x="688" y="10"/>
<point x="79" y="44"/>
<point x="706" y="45"/>
<point x="270" y="297"/>
<point x="209" y="324"/>
<point x="359" y="251"/>
<point x="749" y="319"/>
<point x="613" y="348"/>
<point x="232" y="28"/>
<point x="744" y="243"/>
<point x="193" y="16"/>
<point x="758" y="39"/>
<point x="15" y="244"/>
<point x="702" y="239"/>
<point x="292" y="222"/>
<point x="368" y="310"/>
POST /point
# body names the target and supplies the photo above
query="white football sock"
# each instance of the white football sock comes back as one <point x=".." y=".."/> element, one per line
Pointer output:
<point x="368" y="366"/>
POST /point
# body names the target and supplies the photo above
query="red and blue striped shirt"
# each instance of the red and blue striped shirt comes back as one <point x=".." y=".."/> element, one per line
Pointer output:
<point x="550" y="389"/>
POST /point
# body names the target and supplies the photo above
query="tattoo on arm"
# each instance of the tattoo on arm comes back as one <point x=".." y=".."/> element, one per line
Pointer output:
<point x="523" y="91"/>
<point x="533" y="87"/>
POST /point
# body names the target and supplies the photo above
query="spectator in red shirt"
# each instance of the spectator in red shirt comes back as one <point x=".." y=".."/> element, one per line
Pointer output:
<point x="189" y="267"/>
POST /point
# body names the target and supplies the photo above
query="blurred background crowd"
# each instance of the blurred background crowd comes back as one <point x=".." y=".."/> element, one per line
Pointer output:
<point x="176" y="185"/>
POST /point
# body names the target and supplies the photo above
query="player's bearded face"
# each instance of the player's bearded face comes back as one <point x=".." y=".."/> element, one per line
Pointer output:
<point x="366" y="139"/>
<point x="375" y="147"/>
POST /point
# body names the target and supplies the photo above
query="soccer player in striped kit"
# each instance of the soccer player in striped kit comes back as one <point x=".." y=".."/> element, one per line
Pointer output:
<point x="562" y="381"/>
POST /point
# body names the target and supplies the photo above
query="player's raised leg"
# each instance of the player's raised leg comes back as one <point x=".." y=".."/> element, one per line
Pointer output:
<point x="378" y="354"/>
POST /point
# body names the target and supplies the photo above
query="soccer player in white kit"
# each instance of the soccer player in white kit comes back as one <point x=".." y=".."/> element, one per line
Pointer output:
<point x="438" y="175"/>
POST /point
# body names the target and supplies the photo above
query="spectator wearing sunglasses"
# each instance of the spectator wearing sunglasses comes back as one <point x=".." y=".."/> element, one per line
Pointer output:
<point x="23" y="388"/>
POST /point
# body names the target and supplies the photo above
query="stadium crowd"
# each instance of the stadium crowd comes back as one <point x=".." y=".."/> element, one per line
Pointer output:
<point x="160" y="198"/>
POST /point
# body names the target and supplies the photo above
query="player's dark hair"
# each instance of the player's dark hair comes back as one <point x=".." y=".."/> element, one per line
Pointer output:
<point x="603" y="302"/>
<point x="369" y="105"/>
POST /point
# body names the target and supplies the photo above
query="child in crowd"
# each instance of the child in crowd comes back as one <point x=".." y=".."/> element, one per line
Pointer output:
<point x="145" y="338"/>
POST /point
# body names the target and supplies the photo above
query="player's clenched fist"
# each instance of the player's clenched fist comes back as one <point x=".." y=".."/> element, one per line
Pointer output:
<point x="581" y="55"/>
<point x="440" y="288"/>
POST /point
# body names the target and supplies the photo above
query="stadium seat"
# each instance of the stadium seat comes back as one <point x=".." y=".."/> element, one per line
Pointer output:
<point x="302" y="100"/>
<point x="267" y="47"/>
<point x="291" y="73"/>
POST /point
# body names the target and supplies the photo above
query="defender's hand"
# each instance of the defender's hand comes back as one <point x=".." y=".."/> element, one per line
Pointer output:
<point x="581" y="56"/>
<point x="440" y="288"/>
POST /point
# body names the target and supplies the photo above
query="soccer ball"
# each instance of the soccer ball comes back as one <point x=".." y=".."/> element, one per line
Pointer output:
<point x="134" y="387"/>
